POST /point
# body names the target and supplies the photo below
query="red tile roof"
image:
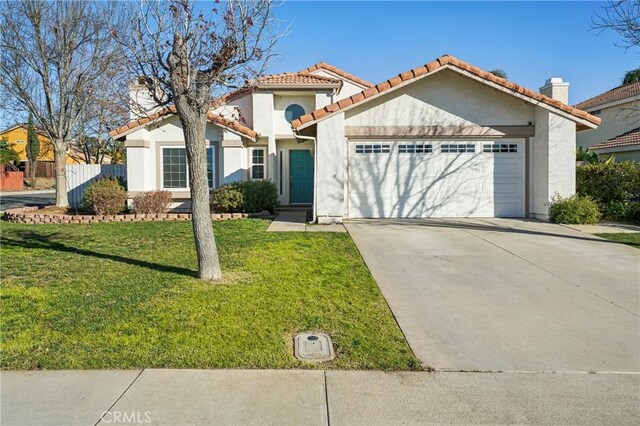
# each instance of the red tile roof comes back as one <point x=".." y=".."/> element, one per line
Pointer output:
<point x="616" y="94"/>
<point x="170" y="110"/>
<point x="296" y="79"/>
<point x="445" y="60"/>
<point x="271" y="81"/>
<point x="632" y="137"/>
<point x="338" y="71"/>
<point x="233" y="125"/>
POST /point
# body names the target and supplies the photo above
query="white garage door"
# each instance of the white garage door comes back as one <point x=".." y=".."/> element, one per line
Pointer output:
<point x="436" y="179"/>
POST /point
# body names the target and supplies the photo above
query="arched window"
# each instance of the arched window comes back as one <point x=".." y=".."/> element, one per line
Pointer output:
<point x="292" y="112"/>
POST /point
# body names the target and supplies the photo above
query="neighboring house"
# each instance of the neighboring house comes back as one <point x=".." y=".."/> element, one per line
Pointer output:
<point x="617" y="135"/>
<point x="446" y="139"/>
<point x="16" y="135"/>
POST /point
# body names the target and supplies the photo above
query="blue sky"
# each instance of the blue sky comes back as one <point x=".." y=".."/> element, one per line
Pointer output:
<point x="531" y="41"/>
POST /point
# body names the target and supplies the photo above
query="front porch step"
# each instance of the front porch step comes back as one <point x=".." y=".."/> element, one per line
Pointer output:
<point x="293" y="209"/>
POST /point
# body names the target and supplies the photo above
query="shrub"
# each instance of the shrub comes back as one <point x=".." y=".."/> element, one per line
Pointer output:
<point x="105" y="196"/>
<point x="251" y="196"/>
<point x="259" y="195"/>
<point x="152" y="202"/>
<point x="615" y="210"/>
<point x="606" y="182"/>
<point x="586" y="156"/>
<point x="633" y="213"/>
<point x="576" y="209"/>
<point x="614" y="186"/>
<point x="227" y="199"/>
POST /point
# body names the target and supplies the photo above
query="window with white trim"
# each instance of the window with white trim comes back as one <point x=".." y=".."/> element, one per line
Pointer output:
<point x="175" y="173"/>
<point x="257" y="163"/>
<point x="457" y="148"/>
<point x="373" y="148"/>
<point x="500" y="147"/>
<point x="415" y="148"/>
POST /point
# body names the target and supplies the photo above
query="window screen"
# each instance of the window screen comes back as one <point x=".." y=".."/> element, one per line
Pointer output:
<point x="257" y="163"/>
<point x="174" y="168"/>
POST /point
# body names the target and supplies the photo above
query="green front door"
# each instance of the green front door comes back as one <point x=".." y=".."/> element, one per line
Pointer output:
<point x="300" y="177"/>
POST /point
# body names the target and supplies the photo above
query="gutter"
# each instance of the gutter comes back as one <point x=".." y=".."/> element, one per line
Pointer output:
<point x="301" y="139"/>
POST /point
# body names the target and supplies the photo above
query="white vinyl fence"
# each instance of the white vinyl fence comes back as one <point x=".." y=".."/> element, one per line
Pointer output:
<point x="80" y="176"/>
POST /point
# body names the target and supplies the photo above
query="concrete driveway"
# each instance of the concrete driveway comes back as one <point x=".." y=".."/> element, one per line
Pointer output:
<point x="507" y="295"/>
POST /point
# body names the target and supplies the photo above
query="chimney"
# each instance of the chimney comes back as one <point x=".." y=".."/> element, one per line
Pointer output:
<point x="141" y="103"/>
<point x="556" y="89"/>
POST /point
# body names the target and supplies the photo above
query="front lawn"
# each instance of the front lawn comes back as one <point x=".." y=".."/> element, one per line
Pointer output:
<point x="124" y="295"/>
<point x="629" y="238"/>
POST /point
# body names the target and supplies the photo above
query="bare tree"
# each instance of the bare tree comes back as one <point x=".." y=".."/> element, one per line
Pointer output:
<point x="108" y="108"/>
<point x="51" y="53"/>
<point x="623" y="17"/>
<point x="189" y="52"/>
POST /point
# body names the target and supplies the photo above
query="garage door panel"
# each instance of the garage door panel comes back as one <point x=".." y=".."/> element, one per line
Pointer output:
<point x="432" y="179"/>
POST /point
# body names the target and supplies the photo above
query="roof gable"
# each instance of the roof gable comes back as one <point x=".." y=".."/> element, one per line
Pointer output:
<point x="338" y="72"/>
<point x="169" y="111"/>
<point x="585" y="119"/>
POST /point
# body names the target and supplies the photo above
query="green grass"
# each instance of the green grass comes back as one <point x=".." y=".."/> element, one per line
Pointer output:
<point x="630" y="238"/>
<point x="124" y="295"/>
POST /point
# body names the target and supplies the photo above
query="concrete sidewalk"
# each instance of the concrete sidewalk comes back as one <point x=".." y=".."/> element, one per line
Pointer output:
<point x="606" y="228"/>
<point x="315" y="397"/>
<point x="296" y="221"/>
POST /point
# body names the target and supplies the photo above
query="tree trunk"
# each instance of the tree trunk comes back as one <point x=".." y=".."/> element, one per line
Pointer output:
<point x="32" y="173"/>
<point x="60" y="159"/>
<point x="194" y="125"/>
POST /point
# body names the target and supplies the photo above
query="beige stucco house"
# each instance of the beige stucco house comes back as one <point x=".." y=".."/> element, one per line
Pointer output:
<point x="445" y="139"/>
<point x="619" y="132"/>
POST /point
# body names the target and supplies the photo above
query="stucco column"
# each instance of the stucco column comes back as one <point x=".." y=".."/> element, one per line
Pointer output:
<point x="263" y="116"/>
<point x="553" y="161"/>
<point x="330" y="174"/>
<point x="141" y="170"/>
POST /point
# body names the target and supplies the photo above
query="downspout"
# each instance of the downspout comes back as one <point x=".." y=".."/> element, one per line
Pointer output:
<point x="315" y="169"/>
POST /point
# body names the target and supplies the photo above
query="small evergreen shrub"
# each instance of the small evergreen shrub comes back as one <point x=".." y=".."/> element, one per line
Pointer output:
<point x="227" y="199"/>
<point x="253" y="196"/>
<point x="105" y="197"/>
<point x="151" y="202"/>
<point x="576" y="210"/>
<point x="259" y="195"/>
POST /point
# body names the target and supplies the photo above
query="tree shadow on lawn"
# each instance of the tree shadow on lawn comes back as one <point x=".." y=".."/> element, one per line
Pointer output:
<point x="33" y="240"/>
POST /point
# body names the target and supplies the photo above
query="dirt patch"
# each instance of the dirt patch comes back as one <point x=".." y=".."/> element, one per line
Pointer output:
<point x="57" y="210"/>
<point x="41" y="183"/>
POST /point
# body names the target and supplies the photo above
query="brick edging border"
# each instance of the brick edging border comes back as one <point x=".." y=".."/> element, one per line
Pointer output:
<point x="30" y="215"/>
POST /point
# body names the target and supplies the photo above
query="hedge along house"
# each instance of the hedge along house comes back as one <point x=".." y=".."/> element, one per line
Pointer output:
<point x="442" y="140"/>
